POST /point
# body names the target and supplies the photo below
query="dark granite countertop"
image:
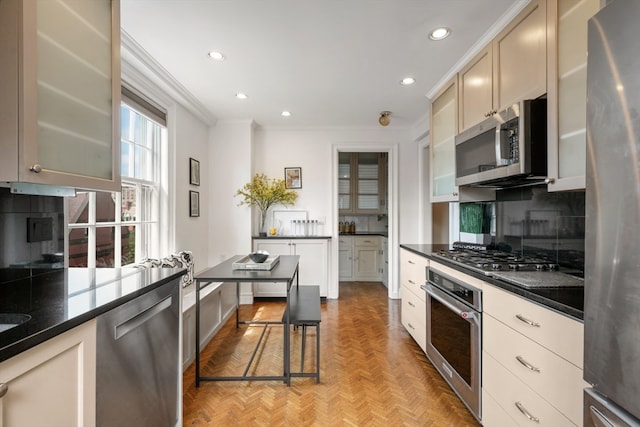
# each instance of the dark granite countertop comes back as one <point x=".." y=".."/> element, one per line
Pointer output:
<point x="61" y="299"/>
<point x="568" y="301"/>
<point x="367" y="233"/>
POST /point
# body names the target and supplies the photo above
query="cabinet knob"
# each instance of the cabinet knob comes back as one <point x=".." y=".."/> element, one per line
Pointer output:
<point x="3" y="389"/>
<point x="36" y="168"/>
<point x="454" y="194"/>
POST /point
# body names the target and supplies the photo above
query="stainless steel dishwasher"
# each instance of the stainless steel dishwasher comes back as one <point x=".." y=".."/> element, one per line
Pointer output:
<point x="138" y="366"/>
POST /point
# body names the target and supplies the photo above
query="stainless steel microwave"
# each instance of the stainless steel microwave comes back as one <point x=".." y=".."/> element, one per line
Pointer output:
<point x="505" y="150"/>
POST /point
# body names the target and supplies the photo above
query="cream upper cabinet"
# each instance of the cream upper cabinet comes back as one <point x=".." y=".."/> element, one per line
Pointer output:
<point x="60" y="85"/>
<point x="520" y="57"/>
<point x="509" y="69"/>
<point x="53" y="383"/>
<point x="567" y="77"/>
<point x="443" y="131"/>
<point x="475" y="82"/>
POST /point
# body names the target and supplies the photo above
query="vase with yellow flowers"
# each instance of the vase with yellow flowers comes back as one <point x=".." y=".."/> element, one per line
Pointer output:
<point x="263" y="192"/>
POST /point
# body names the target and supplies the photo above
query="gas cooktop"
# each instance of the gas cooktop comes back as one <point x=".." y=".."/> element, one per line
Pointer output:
<point x="525" y="271"/>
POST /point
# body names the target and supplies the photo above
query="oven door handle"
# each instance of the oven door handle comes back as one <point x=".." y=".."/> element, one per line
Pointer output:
<point x="469" y="315"/>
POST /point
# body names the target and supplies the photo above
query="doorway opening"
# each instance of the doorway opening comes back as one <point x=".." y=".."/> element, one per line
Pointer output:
<point x="363" y="216"/>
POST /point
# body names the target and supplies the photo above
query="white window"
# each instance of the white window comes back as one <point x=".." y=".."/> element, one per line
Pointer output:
<point x="116" y="229"/>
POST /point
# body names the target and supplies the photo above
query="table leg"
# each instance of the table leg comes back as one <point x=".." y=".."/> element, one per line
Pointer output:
<point x="237" y="305"/>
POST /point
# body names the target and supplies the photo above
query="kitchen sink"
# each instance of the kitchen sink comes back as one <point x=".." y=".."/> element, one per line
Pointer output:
<point x="11" y="320"/>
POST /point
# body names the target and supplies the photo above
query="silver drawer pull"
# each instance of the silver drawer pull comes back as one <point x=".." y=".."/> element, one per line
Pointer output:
<point x="411" y="304"/>
<point x="3" y="389"/>
<point x="411" y="281"/>
<point x="521" y="318"/>
<point x="410" y="325"/>
<point x="527" y="364"/>
<point x="526" y="413"/>
<point x="410" y="262"/>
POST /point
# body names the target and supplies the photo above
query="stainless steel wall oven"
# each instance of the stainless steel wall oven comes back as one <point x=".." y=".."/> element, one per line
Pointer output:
<point x="454" y="331"/>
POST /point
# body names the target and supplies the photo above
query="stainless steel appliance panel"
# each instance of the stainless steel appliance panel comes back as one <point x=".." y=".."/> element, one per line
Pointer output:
<point x="601" y="412"/>
<point x="612" y="259"/>
<point x="138" y="366"/>
<point x="454" y="340"/>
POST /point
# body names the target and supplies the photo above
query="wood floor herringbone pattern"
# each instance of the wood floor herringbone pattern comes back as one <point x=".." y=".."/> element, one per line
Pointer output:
<point x="372" y="372"/>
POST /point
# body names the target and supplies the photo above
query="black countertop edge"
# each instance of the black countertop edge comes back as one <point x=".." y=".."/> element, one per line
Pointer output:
<point x="290" y="237"/>
<point x="46" y="332"/>
<point x="426" y="251"/>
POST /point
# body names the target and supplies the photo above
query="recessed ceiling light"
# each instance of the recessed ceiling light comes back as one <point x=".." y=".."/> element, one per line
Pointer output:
<point x="241" y="95"/>
<point x="439" y="33"/>
<point x="286" y="113"/>
<point x="217" y="56"/>
<point x="407" y="81"/>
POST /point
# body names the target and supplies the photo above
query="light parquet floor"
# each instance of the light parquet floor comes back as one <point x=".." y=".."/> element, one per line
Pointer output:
<point x="372" y="372"/>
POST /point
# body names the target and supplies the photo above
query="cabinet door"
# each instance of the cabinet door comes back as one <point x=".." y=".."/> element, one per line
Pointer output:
<point x="520" y="57"/>
<point x="367" y="258"/>
<point x="68" y="93"/>
<point x="274" y="247"/>
<point x="566" y="99"/>
<point x="313" y="268"/>
<point x="362" y="183"/>
<point x="345" y="258"/>
<point x="345" y="184"/>
<point x="476" y="90"/>
<point x="443" y="132"/>
<point x="52" y="384"/>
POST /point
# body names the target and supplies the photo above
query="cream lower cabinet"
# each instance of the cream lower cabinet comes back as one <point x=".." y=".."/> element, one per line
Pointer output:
<point x="366" y="258"/>
<point x="531" y="365"/>
<point x="384" y="261"/>
<point x="345" y="258"/>
<point x="313" y="268"/>
<point x="52" y="384"/>
<point x="413" y="274"/>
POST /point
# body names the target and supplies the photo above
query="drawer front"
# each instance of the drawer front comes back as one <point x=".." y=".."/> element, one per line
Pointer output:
<point x="554" y="331"/>
<point x="551" y="376"/>
<point x="492" y="413"/>
<point x="413" y="271"/>
<point x="414" y="317"/>
<point x="369" y="242"/>
<point x="509" y="393"/>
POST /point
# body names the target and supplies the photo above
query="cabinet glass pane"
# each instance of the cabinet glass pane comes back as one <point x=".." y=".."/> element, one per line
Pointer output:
<point x="74" y="87"/>
<point x="572" y="83"/>
<point x="344" y="186"/>
<point x="367" y="186"/>
<point x="443" y="138"/>
<point x="344" y="201"/>
<point x="367" y="202"/>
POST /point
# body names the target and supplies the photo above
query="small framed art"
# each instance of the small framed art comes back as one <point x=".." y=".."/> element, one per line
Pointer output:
<point x="194" y="203"/>
<point x="293" y="177"/>
<point x="194" y="172"/>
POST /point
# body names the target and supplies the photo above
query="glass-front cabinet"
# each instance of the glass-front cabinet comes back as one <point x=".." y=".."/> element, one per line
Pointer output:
<point x="567" y="77"/>
<point x="362" y="183"/>
<point x="60" y="81"/>
<point x="443" y="132"/>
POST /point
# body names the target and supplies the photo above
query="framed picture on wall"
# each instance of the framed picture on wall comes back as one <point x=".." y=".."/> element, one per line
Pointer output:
<point x="194" y="172"/>
<point x="293" y="177"/>
<point x="194" y="203"/>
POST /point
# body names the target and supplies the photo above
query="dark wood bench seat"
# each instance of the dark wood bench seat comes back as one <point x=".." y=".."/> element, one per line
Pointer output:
<point x="304" y="311"/>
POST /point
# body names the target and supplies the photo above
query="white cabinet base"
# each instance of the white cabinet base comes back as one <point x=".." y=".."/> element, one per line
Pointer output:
<point x="52" y="384"/>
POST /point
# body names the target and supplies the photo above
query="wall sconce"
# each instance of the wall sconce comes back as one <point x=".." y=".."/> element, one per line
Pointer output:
<point x="384" y="119"/>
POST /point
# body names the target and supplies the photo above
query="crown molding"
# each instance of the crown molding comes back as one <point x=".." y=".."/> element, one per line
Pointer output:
<point x="137" y="62"/>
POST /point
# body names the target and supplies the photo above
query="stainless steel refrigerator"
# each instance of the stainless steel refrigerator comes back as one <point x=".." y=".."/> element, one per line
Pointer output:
<point x="612" y="242"/>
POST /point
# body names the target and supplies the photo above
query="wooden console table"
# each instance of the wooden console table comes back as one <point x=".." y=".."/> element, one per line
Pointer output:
<point x="286" y="271"/>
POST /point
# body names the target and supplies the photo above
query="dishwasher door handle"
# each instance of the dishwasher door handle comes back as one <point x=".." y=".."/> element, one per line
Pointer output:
<point x="142" y="317"/>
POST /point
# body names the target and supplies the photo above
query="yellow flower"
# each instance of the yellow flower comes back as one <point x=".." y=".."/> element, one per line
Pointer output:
<point x="264" y="192"/>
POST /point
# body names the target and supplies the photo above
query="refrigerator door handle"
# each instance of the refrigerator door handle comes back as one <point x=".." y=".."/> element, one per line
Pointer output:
<point x="598" y="418"/>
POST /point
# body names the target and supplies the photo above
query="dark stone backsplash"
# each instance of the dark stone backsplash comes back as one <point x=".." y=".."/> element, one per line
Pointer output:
<point x="16" y="251"/>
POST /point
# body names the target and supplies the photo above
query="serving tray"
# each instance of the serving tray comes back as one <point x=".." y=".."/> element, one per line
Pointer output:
<point x="245" y="263"/>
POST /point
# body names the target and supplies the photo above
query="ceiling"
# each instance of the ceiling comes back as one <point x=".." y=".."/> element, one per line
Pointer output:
<point x="331" y="63"/>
